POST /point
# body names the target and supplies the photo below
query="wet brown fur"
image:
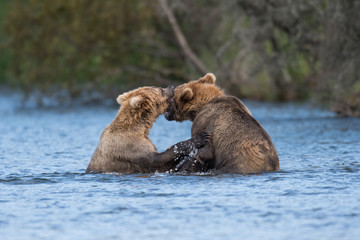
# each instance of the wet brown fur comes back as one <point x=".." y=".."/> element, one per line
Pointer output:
<point x="239" y="143"/>
<point x="124" y="145"/>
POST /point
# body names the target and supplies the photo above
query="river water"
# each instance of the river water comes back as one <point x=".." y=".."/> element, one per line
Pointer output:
<point x="44" y="193"/>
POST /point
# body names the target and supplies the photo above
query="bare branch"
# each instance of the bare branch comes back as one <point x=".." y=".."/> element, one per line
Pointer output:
<point x="200" y="66"/>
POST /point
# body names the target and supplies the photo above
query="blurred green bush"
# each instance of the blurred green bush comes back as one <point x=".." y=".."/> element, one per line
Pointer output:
<point x="83" y="45"/>
<point x="268" y="50"/>
<point x="4" y="51"/>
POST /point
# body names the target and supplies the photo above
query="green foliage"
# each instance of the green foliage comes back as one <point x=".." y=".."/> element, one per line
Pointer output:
<point x="269" y="50"/>
<point x="79" y="45"/>
<point x="4" y="51"/>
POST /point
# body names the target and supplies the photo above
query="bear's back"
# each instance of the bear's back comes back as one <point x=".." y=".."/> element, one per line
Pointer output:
<point x="241" y="144"/>
<point x="116" y="151"/>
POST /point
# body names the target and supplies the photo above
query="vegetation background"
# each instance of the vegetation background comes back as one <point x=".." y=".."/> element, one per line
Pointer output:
<point x="278" y="50"/>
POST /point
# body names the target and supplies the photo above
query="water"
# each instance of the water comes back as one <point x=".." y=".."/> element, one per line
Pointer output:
<point x="45" y="195"/>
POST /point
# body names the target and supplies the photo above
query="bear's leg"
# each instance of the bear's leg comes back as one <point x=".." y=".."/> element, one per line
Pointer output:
<point x="202" y="161"/>
<point x="174" y="154"/>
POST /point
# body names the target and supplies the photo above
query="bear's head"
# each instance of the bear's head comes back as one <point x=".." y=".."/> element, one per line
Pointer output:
<point x="146" y="100"/>
<point x="190" y="97"/>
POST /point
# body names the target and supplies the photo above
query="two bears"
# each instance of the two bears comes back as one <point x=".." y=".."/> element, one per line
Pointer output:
<point x="125" y="146"/>
<point x="225" y="136"/>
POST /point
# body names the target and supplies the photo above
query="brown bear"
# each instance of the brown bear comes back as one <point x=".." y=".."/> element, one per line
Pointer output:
<point x="239" y="144"/>
<point x="125" y="146"/>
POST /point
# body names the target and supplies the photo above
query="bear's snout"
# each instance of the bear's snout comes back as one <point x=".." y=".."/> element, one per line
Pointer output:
<point x="168" y="116"/>
<point x="170" y="111"/>
<point x="170" y="92"/>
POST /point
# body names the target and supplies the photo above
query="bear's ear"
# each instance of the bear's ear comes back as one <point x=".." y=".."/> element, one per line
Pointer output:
<point x="187" y="95"/>
<point x="208" y="78"/>
<point x="122" y="98"/>
<point x="135" y="102"/>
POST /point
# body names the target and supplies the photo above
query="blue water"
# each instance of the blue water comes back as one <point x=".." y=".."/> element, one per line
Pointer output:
<point x="45" y="195"/>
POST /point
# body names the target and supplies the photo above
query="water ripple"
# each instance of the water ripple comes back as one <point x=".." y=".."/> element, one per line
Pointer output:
<point x="26" y="180"/>
<point x="45" y="193"/>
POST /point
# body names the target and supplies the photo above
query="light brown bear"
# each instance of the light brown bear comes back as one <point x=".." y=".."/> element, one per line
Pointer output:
<point x="239" y="143"/>
<point x="125" y="146"/>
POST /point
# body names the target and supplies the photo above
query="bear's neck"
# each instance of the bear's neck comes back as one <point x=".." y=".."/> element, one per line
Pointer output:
<point x="139" y="122"/>
<point x="192" y="114"/>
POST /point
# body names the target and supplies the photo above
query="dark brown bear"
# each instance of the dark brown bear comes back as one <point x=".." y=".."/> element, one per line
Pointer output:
<point x="239" y="143"/>
<point x="124" y="145"/>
